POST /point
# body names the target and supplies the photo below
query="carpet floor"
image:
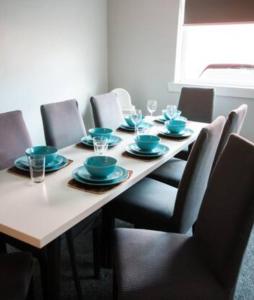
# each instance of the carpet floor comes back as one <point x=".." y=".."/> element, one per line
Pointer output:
<point x="101" y="289"/>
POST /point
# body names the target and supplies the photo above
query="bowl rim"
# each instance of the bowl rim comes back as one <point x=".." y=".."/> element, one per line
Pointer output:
<point x="104" y="130"/>
<point x="157" y="138"/>
<point x="53" y="150"/>
<point x="100" y="156"/>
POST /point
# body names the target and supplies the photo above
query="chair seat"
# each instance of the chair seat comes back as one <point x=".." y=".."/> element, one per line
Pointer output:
<point x="15" y="275"/>
<point x="160" y="266"/>
<point x="148" y="204"/>
<point x="171" y="172"/>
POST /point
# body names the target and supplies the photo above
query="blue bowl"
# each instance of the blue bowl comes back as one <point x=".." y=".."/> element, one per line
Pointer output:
<point x="100" y="132"/>
<point x="100" y="166"/>
<point x="147" y="142"/>
<point x="49" y="152"/>
<point x="176" y="125"/>
<point x="129" y="121"/>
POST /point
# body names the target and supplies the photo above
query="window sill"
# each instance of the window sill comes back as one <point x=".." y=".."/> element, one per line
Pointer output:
<point x="224" y="91"/>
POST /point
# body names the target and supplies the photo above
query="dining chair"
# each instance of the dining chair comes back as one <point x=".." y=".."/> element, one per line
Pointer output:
<point x="63" y="126"/>
<point x="14" y="137"/>
<point x="16" y="272"/>
<point x="196" y="104"/>
<point x="124" y="99"/>
<point x="151" y="204"/>
<point x="107" y="111"/>
<point x="172" y="171"/>
<point x="62" y="123"/>
<point x="159" y="265"/>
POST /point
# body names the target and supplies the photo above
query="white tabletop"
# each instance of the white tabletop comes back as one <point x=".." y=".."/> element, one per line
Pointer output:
<point x="38" y="213"/>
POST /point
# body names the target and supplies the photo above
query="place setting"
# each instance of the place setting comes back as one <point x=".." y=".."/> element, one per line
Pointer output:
<point x="135" y="120"/>
<point x="171" y="112"/>
<point x="101" y="136"/>
<point x="146" y="146"/>
<point x="38" y="161"/>
<point x="99" y="172"/>
<point x="176" y="128"/>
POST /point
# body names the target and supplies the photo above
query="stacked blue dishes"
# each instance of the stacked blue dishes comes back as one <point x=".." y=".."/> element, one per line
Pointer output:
<point x="147" y="146"/>
<point x="130" y="126"/>
<point x="100" y="171"/>
<point x="176" y="125"/>
<point x="53" y="161"/>
<point x="100" y="132"/>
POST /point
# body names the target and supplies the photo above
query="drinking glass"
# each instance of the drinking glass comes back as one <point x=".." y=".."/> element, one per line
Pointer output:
<point x="136" y="118"/>
<point x="151" y="106"/>
<point x="171" y="111"/>
<point x="100" y="145"/>
<point x="37" y="167"/>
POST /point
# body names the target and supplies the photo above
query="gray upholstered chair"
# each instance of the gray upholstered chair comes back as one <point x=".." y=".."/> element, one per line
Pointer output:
<point x="196" y="104"/>
<point x="233" y="125"/>
<point x="172" y="171"/>
<point x="155" y="205"/>
<point x="159" y="265"/>
<point x="107" y="111"/>
<point x="14" y="138"/>
<point x="16" y="271"/>
<point x="63" y="124"/>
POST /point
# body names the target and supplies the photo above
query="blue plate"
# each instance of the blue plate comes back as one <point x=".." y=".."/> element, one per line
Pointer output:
<point x="113" y="141"/>
<point x="183" y="134"/>
<point x="22" y="164"/>
<point x="131" y="128"/>
<point x="119" y="175"/>
<point x="135" y="148"/>
<point x="163" y="149"/>
<point x="56" y="162"/>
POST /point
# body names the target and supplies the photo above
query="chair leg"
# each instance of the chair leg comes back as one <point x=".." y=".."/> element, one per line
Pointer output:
<point x="72" y="254"/>
<point x="96" y="251"/>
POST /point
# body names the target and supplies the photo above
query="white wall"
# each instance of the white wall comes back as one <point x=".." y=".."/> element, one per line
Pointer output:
<point x="51" y="51"/>
<point x="142" y="51"/>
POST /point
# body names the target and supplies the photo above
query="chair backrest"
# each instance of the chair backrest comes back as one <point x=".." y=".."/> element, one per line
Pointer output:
<point x="14" y="138"/>
<point x="124" y="99"/>
<point x="63" y="124"/>
<point x="233" y="125"/>
<point x="195" y="177"/>
<point x="196" y="104"/>
<point x="107" y="111"/>
<point x="227" y="213"/>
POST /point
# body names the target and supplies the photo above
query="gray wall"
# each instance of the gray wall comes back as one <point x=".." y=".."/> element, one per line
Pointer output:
<point x="51" y="51"/>
<point x="142" y="51"/>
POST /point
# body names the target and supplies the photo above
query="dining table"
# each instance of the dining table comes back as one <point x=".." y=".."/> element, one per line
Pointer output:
<point x="38" y="214"/>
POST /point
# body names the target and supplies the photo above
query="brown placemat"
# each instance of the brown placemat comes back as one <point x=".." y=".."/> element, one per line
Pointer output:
<point x="172" y="137"/>
<point x="14" y="170"/>
<point x="95" y="189"/>
<point x="127" y="154"/>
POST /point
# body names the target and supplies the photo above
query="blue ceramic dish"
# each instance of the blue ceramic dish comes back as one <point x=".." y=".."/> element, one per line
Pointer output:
<point x="100" y="132"/>
<point x="129" y="121"/>
<point x="176" y="125"/>
<point x="49" y="152"/>
<point x="147" y="142"/>
<point x="100" y="166"/>
<point x="166" y="116"/>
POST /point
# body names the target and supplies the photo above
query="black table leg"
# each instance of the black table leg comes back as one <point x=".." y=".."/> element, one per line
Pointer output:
<point x="53" y="270"/>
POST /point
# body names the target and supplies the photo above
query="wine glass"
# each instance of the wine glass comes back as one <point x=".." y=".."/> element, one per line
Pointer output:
<point x="136" y="117"/>
<point x="171" y="111"/>
<point x="151" y="106"/>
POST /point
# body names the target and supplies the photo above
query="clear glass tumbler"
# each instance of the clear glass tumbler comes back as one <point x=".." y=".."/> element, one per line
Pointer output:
<point x="37" y="168"/>
<point x="100" y="145"/>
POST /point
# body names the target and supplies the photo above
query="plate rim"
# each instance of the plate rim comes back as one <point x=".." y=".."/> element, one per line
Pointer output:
<point x="145" y="155"/>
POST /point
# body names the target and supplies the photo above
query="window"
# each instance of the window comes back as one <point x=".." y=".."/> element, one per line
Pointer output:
<point x="215" y="54"/>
